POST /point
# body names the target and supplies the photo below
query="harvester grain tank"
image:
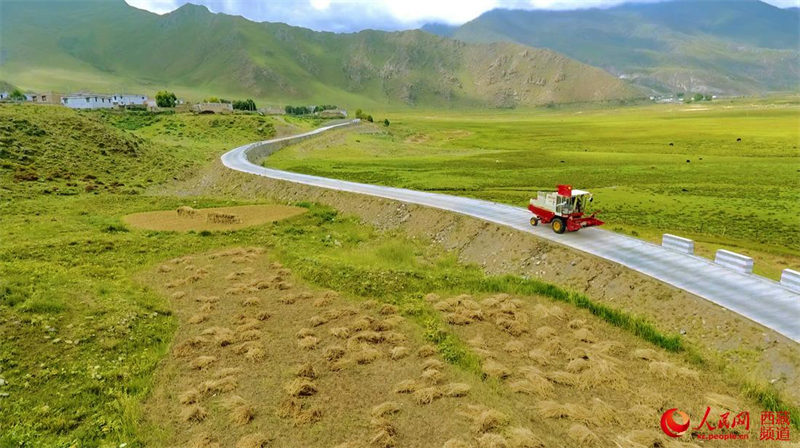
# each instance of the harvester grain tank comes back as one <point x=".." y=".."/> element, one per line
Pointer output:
<point x="564" y="209"/>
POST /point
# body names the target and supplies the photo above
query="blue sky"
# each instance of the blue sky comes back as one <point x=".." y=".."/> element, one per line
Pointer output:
<point x="355" y="15"/>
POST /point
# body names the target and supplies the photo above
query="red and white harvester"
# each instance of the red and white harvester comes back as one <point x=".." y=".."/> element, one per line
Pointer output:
<point x="565" y="209"/>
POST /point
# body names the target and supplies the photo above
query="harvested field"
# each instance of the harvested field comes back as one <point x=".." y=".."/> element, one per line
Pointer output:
<point x="186" y="218"/>
<point x="294" y="367"/>
<point x="584" y="382"/>
<point x="299" y="367"/>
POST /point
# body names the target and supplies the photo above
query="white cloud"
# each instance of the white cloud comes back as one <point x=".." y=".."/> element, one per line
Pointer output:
<point x="156" y="6"/>
<point x="355" y="15"/>
<point x="320" y="4"/>
<point x="571" y="4"/>
<point x="785" y="3"/>
<point x="411" y="11"/>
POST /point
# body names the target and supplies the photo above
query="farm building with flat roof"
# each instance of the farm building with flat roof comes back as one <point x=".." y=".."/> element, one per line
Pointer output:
<point x="100" y="101"/>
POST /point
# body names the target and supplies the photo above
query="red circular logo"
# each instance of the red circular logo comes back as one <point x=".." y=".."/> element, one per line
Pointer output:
<point x="674" y="423"/>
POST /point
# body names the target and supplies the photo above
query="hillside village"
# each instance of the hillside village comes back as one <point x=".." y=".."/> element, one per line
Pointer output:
<point x="83" y="100"/>
<point x="212" y="105"/>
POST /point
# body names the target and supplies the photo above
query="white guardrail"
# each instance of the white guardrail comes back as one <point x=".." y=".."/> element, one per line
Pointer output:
<point x="732" y="260"/>
<point x="791" y="279"/>
<point x="678" y="243"/>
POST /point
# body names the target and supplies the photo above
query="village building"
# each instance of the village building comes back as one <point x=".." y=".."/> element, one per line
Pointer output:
<point x="87" y="101"/>
<point x="38" y="98"/>
<point x="213" y="108"/>
<point x="129" y="100"/>
<point x="100" y="101"/>
<point x="44" y="98"/>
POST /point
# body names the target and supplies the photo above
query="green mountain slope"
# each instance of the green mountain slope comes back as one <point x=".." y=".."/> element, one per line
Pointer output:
<point x="110" y="46"/>
<point x="725" y="46"/>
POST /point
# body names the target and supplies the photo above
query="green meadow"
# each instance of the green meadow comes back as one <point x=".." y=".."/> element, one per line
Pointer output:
<point x="724" y="173"/>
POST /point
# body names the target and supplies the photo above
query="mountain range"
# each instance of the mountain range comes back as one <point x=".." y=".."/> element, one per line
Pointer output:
<point x="732" y="47"/>
<point x="110" y="46"/>
<point x="504" y="58"/>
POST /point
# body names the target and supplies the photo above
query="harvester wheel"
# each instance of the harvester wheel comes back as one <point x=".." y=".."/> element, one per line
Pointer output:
<point x="534" y="221"/>
<point x="559" y="226"/>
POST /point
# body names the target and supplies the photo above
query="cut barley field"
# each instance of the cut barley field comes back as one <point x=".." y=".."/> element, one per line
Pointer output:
<point x="186" y="218"/>
<point x="313" y="330"/>
<point x="261" y="358"/>
<point x="723" y="173"/>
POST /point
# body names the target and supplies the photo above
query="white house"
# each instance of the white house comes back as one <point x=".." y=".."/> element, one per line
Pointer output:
<point x="99" y="101"/>
<point x="124" y="99"/>
<point x="87" y="101"/>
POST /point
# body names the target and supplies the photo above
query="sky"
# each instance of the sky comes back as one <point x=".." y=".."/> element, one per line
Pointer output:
<point x="389" y="15"/>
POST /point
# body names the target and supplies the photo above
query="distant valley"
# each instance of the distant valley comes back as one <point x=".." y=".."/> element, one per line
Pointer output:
<point x="729" y="47"/>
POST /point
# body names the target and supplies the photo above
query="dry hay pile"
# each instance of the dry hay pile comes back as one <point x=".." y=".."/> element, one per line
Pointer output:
<point x="508" y="314"/>
<point x="460" y="310"/>
<point x="222" y="218"/>
<point x="433" y="383"/>
<point x="492" y="428"/>
<point x="185" y="211"/>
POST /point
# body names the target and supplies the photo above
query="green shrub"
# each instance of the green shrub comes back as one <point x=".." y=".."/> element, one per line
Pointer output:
<point x="247" y="104"/>
<point x="16" y="95"/>
<point x="166" y="99"/>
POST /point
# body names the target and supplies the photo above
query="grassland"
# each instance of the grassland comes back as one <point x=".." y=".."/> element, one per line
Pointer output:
<point x="80" y="337"/>
<point x="85" y="327"/>
<point x="722" y="173"/>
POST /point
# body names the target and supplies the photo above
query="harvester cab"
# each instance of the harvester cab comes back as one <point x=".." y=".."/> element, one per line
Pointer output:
<point x="565" y="209"/>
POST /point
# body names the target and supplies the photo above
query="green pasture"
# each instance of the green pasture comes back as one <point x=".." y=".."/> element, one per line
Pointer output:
<point x="725" y="173"/>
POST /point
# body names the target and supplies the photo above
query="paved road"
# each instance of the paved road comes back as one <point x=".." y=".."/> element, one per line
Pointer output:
<point x="759" y="299"/>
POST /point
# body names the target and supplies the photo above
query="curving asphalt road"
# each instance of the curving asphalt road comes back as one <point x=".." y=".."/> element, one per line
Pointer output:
<point x="762" y="300"/>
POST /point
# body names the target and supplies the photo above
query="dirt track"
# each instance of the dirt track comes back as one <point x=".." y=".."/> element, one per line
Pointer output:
<point x="760" y="352"/>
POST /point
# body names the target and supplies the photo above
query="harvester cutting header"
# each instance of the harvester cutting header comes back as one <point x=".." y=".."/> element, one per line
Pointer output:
<point x="565" y="209"/>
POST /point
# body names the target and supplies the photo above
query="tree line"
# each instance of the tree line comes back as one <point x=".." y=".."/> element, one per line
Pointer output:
<point x="168" y="99"/>
<point x="305" y="110"/>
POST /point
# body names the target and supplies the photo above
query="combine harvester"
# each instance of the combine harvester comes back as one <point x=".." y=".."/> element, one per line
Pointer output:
<point x="565" y="209"/>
